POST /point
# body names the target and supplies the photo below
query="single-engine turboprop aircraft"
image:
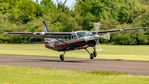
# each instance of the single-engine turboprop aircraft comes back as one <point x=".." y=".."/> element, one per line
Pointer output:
<point x="67" y="41"/>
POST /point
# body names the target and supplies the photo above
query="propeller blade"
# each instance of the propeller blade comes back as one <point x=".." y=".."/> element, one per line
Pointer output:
<point x="98" y="45"/>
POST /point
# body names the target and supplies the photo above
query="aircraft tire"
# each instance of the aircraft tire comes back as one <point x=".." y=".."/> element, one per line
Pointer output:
<point x="62" y="57"/>
<point x="91" y="56"/>
<point x="95" y="53"/>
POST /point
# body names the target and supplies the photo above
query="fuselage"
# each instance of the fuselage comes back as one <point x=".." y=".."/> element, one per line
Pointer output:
<point x="78" y="40"/>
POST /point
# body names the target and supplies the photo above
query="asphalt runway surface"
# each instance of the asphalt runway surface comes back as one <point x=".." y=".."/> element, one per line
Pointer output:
<point x="131" y="67"/>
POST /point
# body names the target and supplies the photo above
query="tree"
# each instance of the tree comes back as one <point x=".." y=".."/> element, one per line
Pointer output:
<point x="47" y="6"/>
<point x="62" y="6"/>
<point x="100" y="10"/>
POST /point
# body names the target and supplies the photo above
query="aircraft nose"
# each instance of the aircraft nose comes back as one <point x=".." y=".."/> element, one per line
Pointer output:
<point x="86" y="38"/>
<point x="96" y="37"/>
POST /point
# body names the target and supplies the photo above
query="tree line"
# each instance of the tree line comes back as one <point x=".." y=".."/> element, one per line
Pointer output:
<point x="27" y="16"/>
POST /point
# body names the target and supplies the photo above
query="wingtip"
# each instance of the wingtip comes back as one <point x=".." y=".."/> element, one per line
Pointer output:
<point x="5" y="33"/>
<point x="145" y="28"/>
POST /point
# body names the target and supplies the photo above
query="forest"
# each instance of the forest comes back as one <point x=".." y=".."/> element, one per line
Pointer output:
<point x="27" y="16"/>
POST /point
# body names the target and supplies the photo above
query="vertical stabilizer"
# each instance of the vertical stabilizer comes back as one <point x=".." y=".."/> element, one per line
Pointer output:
<point x="45" y="29"/>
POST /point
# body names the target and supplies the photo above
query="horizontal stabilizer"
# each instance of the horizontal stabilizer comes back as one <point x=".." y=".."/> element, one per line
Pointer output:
<point x="41" y="34"/>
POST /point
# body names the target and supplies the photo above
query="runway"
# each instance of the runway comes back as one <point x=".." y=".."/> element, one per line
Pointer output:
<point x="131" y="67"/>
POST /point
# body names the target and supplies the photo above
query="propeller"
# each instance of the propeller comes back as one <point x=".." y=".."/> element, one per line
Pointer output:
<point x="86" y="38"/>
<point x="98" y="45"/>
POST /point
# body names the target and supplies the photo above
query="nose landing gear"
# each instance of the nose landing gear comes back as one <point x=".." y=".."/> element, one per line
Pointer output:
<point x="92" y="55"/>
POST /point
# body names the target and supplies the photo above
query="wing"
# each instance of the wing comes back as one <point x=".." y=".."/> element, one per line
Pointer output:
<point x="117" y="30"/>
<point x="41" y="34"/>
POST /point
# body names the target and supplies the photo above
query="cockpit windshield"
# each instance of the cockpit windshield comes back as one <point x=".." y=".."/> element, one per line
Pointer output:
<point x="89" y="33"/>
<point x="81" y="34"/>
<point x="84" y="33"/>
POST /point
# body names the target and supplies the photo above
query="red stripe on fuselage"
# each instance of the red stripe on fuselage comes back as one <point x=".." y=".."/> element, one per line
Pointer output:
<point x="48" y="46"/>
<point x="47" y="40"/>
<point x="62" y="44"/>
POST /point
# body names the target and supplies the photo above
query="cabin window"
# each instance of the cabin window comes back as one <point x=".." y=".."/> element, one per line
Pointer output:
<point x="69" y="37"/>
<point x="65" y="38"/>
<point x="56" y="41"/>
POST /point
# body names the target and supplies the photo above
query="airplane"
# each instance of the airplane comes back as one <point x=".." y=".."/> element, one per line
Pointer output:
<point x="68" y="41"/>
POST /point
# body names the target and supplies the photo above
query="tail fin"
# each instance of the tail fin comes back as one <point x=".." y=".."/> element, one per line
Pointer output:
<point x="45" y="29"/>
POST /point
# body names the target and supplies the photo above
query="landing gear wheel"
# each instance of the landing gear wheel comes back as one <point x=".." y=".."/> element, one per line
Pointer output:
<point x="62" y="57"/>
<point x="91" y="56"/>
<point x="95" y="53"/>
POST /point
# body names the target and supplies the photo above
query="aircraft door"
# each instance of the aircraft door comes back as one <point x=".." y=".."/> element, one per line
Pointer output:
<point x="49" y="42"/>
<point x="74" y="36"/>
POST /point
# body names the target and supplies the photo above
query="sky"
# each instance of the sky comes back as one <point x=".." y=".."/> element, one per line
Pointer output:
<point x="69" y="3"/>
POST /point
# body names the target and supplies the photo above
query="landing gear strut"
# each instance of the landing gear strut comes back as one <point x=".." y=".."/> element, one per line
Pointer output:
<point x="92" y="55"/>
<point x="62" y="57"/>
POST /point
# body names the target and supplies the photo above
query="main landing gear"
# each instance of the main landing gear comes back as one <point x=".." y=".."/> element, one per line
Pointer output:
<point x="62" y="57"/>
<point x="92" y="55"/>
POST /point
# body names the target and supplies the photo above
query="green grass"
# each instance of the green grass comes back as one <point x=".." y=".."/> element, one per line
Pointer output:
<point x="116" y="52"/>
<point x="29" y="75"/>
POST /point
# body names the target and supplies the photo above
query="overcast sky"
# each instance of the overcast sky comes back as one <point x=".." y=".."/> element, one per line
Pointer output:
<point x="69" y="3"/>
